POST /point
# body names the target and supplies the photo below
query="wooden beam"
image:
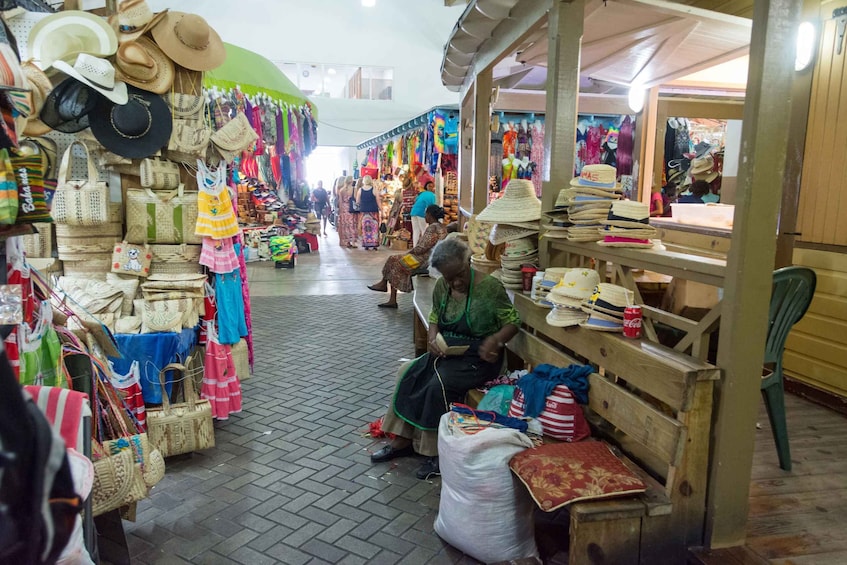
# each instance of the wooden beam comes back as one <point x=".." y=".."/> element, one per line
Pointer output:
<point x="466" y="136"/>
<point x="481" y="139"/>
<point x="646" y="132"/>
<point x="764" y="142"/>
<point x="565" y="28"/>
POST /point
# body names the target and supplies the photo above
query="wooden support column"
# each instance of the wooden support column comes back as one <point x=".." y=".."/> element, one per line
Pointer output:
<point x="564" y="27"/>
<point x="646" y="129"/>
<point x="481" y="138"/>
<point x="762" y="164"/>
<point x="466" y="136"/>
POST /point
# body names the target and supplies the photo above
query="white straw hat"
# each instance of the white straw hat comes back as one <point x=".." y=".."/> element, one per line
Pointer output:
<point x="597" y="176"/>
<point x="64" y="35"/>
<point x="578" y="284"/>
<point x="565" y="317"/>
<point x="95" y="73"/>
<point x="518" y="204"/>
<point x="502" y="233"/>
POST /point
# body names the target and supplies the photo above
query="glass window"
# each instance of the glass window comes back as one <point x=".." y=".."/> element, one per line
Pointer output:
<point x="341" y="81"/>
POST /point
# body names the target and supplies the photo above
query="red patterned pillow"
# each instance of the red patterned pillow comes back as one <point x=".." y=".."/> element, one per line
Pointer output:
<point x="560" y="473"/>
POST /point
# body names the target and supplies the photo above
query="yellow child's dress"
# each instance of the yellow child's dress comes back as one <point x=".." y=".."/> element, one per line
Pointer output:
<point x="216" y="218"/>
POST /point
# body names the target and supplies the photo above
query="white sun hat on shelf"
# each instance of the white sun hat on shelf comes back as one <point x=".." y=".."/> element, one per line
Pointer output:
<point x="518" y="204"/>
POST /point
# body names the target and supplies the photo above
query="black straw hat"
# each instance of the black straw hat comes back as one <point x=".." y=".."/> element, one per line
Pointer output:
<point x="136" y="129"/>
<point x="67" y="107"/>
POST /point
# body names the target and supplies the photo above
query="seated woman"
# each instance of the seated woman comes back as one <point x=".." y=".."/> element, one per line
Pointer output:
<point x="398" y="269"/>
<point x="468" y="308"/>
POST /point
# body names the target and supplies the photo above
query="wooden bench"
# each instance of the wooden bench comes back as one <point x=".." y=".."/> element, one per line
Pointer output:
<point x="654" y="406"/>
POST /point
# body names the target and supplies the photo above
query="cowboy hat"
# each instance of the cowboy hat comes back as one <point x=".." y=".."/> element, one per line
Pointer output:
<point x="133" y="19"/>
<point x="64" y="35"/>
<point x="136" y="129"/>
<point x="96" y="73"/>
<point x="142" y="64"/>
<point x="190" y="41"/>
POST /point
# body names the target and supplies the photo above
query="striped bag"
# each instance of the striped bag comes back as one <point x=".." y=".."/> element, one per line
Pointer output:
<point x="562" y="417"/>
<point x="8" y="190"/>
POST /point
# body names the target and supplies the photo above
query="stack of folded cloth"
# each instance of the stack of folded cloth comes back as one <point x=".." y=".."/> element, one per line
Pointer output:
<point x="542" y="287"/>
<point x="594" y="191"/>
<point x="606" y="306"/>
<point x="567" y="297"/>
<point x="516" y="254"/>
<point x="628" y="225"/>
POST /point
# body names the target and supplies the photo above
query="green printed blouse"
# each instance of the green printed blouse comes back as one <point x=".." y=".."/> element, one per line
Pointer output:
<point x="489" y="307"/>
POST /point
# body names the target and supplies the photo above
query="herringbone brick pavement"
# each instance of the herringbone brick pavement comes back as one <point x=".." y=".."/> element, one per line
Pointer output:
<point x="290" y="479"/>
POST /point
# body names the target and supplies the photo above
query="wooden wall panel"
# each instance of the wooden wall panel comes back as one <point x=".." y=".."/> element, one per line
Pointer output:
<point x="816" y="350"/>
<point x="822" y="211"/>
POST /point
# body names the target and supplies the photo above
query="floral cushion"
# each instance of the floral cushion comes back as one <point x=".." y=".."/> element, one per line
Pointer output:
<point x="560" y="473"/>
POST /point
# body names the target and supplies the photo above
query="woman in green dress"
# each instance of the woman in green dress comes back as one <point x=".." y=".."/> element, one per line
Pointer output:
<point x="468" y="308"/>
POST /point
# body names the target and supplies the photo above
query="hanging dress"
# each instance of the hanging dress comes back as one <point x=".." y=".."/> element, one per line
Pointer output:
<point x="536" y="155"/>
<point x="221" y="386"/>
<point x="218" y="255"/>
<point x="215" y="217"/>
<point x="232" y="325"/>
<point x="369" y="209"/>
<point x="510" y="139"/>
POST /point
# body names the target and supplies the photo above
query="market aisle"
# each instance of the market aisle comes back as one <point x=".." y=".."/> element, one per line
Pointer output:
<point x="290" y="480"/>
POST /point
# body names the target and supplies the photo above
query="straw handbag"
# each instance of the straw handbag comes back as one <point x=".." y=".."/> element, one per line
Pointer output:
<point x="180" y="428"/>
<point x="161" y="217"/>
<point x="159" y="174"/>
<point x="131" y="259"/>
<point x="236" y="136"/>
<point x="40" y="243"/>
<point x="175" y="259"/>
<point x="80" y="202"/>
<point x="241" y="359"/>
<point x="114" y="476"/>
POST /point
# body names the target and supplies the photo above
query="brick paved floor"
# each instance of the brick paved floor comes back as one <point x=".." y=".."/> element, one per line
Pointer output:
<point x="290" y="480"/>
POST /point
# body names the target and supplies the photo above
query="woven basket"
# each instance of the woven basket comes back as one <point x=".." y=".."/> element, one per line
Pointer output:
<point x="94" y="266"/>
<point x="79" y="249"/>
<point x="113" y="481"/>
<point x="180" y="428"/>
<point x="175" y="268"/>
<point x="83" y="232"/>
<point x="39" y="244"/>
<point x="176" y="253"/>
<point x="241" y="359"/>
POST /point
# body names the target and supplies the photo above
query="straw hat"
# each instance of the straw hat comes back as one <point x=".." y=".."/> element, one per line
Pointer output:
<point x="521" y="247"/>
<point x="95" y="73"/>
<point x="609" y="299"/>
<point x="534" y="226"/>
<point x="518" y="204"/>
<point x="133" y="19"/>
<point x="701" y="165"/>
<point x="502" y="233"/>
<point x="628" y="214"/>
<point x="597" y="176"/>
<point x="190" y="41"/>
<point x="67" y="107"/>
<point x="576" y="284"/>
<point x="565" y="317"/>
<point x="40" y="87"/>
<point x="137" y="129"/>
<point x="142" y="64"/>
<point x="64" y="35"/>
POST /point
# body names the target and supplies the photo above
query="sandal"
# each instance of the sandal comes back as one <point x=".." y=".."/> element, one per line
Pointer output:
<point x="387" y="305"/>
<point x="377" y="289"/>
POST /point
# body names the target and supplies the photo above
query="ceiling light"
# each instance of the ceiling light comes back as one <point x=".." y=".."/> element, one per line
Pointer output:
<point x="805" y="46"/>
<point x="636" y="97"/>
<point x="368" y="3"/>
<point x="330" y="71"/>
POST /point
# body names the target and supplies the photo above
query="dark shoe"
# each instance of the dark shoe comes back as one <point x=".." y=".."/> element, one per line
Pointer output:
<point x="429" y="469"/>
<point x="377" y="289"/>
<point x="388" y="453"/>
<point x="388" y="305"/>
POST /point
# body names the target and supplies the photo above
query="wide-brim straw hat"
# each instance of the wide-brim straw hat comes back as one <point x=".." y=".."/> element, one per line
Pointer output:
<point x="190" y="41"/>
<point x="521" y="247"/>
<point x="599" y="192"/>
<point x="142" y="64"/>
<point x="64" y="35"/>
<point x="97" y="74"/>
<point x="137" y="129"/>
<point x="565" y="317"/>
<point x="40" y="87"/>
<point x="610" y="299"/>
<point x="503" y="233"/>
<point x="534" y="226"/>
<point x="577" y="283"/>
<point x="134" y="19"/>
<point x="556" y="234"/>
<point x="701" y="165"/>
<point x="597" y="176"/>
<point x="518" y="204"/>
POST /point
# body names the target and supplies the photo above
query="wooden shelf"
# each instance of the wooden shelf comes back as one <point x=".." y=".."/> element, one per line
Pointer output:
<point x="706" y="270"/>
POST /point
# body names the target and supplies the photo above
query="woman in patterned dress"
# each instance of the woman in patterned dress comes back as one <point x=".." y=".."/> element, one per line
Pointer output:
<point x="397" y="272"/>
<point x="348" y="220"/>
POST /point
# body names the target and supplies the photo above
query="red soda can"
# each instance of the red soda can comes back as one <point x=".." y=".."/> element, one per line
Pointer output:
<point x="632" y="322"/>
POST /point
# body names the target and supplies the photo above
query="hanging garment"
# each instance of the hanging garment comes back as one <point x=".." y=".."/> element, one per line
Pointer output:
<point x="238" y="243"/>
<point x="218" y="255"/>
<point x="536" y="155"/>
<point x="522" y="147"/>
<point x="40" y="351"/>
<point x="626" y="143"/>
<point x="221" y="386"/>
<point x="210" y="308"/>
<point x="129" y="390"/>
<point x="215" y="217"/>
<point x="231" y="316"/>
<point x="510" y="140"/>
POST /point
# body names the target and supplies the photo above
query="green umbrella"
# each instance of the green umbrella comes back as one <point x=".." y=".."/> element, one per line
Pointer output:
<point x="254" y="74"/>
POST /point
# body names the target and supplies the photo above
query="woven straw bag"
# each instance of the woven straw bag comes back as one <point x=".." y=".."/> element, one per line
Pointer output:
<point x="131" y="259"/>
<point x="186" y="106"/>
<point x="163" y="217"/>
<point x="135" y="445"/>
<point x="180" y="428"/>
<point x="95" y="266"/>
<point x="166" y="315"/>
<point x="129" y="287"/>
<point x="236" y="136"/>
<point x="80" y="202"/>
<point x="159" y="174"/>
<point x="241" y="359"/>
<point x="113" y="480"/>
<point x="176" y="253"/>
<point x="189" y="140"/>
<point x="85" y="232"/>
<point x="79" y="249"/>
<point x="40" y="244"/>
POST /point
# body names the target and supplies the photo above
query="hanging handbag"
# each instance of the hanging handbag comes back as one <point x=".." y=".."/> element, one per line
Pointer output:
<point x="184" y="427"/>
<point x="236" y="136"/>
<point x="8" y="190"/>
<point x="113" y="480"/>
<point x="32" y="202"/>
<point x="159" y="174"/>
<point x="131" y="259"/>
<point x="189" y="140"/>
<point x="80" y="202"/>
<point x="161" y="217"/>
<point x="186" y="106"/>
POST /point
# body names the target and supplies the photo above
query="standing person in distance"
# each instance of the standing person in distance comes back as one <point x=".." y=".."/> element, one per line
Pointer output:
<point x="369" y="211"/>
<point x="320" y="199"/>
<point x="424" y="199"/>
<point x="348" y="217"/>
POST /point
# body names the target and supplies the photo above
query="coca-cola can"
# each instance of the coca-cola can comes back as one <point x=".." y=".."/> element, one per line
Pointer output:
<point x="632" y="322"/>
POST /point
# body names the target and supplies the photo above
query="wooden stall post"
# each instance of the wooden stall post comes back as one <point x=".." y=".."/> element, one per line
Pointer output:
<point x="482" y="138"/>
<point x="764" y="142"/>
<point x="564" y="26"/>
<point x="646" y="128"/>
<point x="466" y="137"/>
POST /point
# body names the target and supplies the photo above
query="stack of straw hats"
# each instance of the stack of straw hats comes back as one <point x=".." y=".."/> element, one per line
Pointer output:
<point x="542" y="287"/>
<point x="605" y="307"/>
<point x="628" y="225"/>
<point x="516" y="217"/>
<point x="587" y="203"/>
<point x="567" y="297"/>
